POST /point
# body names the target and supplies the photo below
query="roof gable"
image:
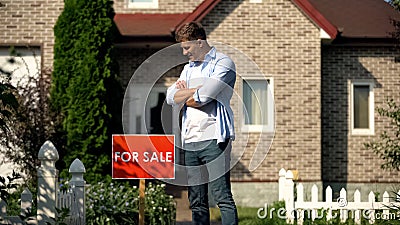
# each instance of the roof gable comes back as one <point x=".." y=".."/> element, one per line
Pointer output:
<point x="159" y="25"/>
<point x="316" y="16"/>
<point x="338" y="18"/>
<point x="357" y="19"/>
<point x="145" y="25"/>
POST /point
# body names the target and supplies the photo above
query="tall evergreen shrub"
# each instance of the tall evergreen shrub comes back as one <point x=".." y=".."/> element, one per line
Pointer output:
<point x="85" y="87"/>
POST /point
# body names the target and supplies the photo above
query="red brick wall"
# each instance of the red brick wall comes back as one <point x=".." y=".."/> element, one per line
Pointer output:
<point x="344" y="157"/>
<point x="286" y="46"/>
<point x="30" y="22"/>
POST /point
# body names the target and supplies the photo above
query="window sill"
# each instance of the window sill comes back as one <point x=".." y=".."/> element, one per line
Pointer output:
<point x="257" y="129"/>
<point x="362" y="132"/>
<point x="139" y="5"/>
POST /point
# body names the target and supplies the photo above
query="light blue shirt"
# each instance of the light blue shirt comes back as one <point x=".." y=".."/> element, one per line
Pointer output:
<point x="220" y="76"/>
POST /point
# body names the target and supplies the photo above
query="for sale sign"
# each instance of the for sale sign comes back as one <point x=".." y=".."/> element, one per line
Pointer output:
<point x="143" y="156"/>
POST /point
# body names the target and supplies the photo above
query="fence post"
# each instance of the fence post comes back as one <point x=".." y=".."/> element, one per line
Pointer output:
<point x="282" y="183"/>
<point x="26" y="202"/>
<point x="371" y="214"/>
<point x="385" y="200"/>
<point x="300" y="199"/>
<point x="357" y="212"/>
<point x="343" y="199"/>
<point x="77" y="169"/>
<point x="47" y="184"/>
<point x="314" y="199"/>
<point x="289" y="200"/>
<point x="328" y="199"/>
<point x="3" y="209"/>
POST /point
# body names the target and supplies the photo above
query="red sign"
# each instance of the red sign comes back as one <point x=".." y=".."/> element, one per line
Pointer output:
<point x="143" y="156"/>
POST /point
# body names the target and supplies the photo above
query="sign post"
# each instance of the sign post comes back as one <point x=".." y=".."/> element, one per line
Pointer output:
<point x="143" y="157"/>
<point x="142" y="187"/>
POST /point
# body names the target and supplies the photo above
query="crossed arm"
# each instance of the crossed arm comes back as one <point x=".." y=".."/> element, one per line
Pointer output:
<point x="223" y="77"/>
<point x="185" y="94"/>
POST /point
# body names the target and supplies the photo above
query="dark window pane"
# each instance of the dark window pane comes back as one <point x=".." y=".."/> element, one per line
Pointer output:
<point x="255" y="102"/>
<point x="361" y="106"/>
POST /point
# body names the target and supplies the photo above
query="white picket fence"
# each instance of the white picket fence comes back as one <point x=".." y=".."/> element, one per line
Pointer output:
<point x="297" y="208"/>
<point x="49" y="196"/>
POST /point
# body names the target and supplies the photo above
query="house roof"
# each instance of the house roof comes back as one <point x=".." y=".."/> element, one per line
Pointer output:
<point x="352" y="18"/>
<point x="344" y="18"/>
<point x="147" y="25"/>
<point x="358" y="19"/>
<point x="159" y="25"/>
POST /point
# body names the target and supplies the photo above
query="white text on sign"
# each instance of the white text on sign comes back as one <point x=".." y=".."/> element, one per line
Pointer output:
<point x="147" y="156"/>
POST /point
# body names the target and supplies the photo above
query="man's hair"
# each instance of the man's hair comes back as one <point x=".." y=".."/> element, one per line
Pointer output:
<point x="190" y="32"/>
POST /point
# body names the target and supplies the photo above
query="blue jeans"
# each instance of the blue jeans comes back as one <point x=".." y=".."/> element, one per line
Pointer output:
<point x="208" y="167"/>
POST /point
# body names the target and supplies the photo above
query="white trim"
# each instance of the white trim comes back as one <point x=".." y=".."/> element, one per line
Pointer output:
<point x="271" y="109"/>
<point x="256" y="1"/>
<point x="324" y="35"/>
<point x="143" y="5"/>
<point x="371" y="104"/>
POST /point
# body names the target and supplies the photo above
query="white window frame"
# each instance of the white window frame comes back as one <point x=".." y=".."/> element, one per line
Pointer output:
<point x="371" y="110"/>
<point x="271" y="110"/>
<point x="143" y="5"/>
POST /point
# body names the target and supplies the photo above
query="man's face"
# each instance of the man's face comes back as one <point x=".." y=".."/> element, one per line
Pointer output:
<point x="192" y="49"/>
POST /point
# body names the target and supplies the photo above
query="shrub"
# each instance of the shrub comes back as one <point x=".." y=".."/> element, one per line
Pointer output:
<point x="118" y="203"/>
<point x="85" y="85"/>
<point x="31" y="123"/>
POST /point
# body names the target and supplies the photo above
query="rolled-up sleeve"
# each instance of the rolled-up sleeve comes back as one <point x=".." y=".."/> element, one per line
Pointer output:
<point x="170" y="95"/>
<point x="223" y="76"/>
<point x="172" y="89"/>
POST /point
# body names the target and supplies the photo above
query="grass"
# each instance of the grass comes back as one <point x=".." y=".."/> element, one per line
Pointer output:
<point x="244" y="213"/>
<point x="247" y="216"/>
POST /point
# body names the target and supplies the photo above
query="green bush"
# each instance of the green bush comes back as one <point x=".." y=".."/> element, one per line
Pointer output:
<point x="118" y="203"/>
<point x="85" y="84"/>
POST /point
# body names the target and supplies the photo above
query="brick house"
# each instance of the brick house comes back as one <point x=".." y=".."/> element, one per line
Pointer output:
<point x="329" y="65"/>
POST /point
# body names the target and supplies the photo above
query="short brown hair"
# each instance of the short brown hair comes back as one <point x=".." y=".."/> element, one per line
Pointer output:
<point x="190" y="32"/>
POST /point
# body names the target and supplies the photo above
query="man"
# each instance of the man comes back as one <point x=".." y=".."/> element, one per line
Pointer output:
<point x="205" y="88"/>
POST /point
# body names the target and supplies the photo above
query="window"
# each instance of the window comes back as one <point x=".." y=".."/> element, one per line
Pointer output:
<point x="258" y="105"/>
<point x="26" y="64"/>
<point x="143" y="4"/>
<point x="362" y="108"/>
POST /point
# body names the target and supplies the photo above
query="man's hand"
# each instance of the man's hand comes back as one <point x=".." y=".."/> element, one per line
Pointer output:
<point x="185" y="94"/>
<point x="181" y="84"/>
<point x="192" y="103"/>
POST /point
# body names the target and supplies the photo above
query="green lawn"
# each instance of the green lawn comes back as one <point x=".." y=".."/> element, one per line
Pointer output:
<point x="247" y="216"/>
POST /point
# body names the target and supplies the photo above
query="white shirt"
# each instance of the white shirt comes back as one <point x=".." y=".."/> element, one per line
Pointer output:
<point x="221" y="74"/>
<point x="201" y="122"/>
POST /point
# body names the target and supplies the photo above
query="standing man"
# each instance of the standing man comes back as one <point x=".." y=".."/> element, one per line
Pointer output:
<point x="205" y="88"/>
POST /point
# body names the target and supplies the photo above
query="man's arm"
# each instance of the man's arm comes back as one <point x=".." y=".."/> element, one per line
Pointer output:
<point x="192" y="103"/>
<point x="182" y="95"/>
<point x="223" y="76"/>
<point x="173" y="89"/>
